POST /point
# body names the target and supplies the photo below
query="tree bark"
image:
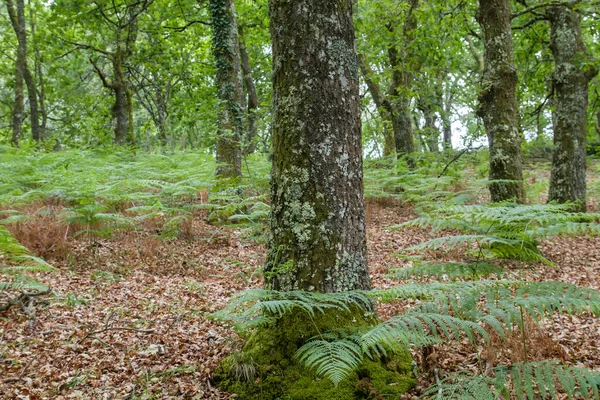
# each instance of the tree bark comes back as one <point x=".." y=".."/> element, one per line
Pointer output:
<point x="252" y="107"/>
<point x="444" y="101"/>
<point x="120" y="111"/>
<point x="230" y="89"/>
<point x="430" y="130"/>
<point x="402" y="79"/>
<point x="41" y="93"/>
<point x="498" y="102"/>
<point x="382" y="103"/>
<point x="571" y="80"/>
<point x="317" y="239"/>
<point x="598" y="123"/>
<point x="16" y="15"/>
<point x="18" y="108"/>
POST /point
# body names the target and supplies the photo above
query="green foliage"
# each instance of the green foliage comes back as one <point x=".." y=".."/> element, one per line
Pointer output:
<point x="16" y="262"/>
<point x="503" y="230"/>
<point x="528" y="380"/>
<point x="388" y="178"/>
<point x="105" y="191"/>
<point x="448" y="270"/>
<point x="260" y="307"/>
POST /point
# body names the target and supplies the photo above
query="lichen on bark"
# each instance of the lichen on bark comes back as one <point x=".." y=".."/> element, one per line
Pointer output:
<point x="498" y="102"/>
<point x="317" y="217"/>
<point x="570" y="81"/>
<point x="230" y="90"/>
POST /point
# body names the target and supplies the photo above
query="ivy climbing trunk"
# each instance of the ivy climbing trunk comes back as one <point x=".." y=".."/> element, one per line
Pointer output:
<point x="230" y="89"/>
<point x="571" y="80"/>
<point x="317" y="240"/>
<point x="498" y="102"/>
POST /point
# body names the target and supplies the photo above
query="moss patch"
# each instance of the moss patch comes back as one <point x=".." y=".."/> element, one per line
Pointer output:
<point x="265" y="368"/>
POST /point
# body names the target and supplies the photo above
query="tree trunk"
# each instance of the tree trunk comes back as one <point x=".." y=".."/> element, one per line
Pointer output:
<point x="446" y="126"/>
<point x="252" y="116"/>
<point x="41" y="93"/>
<point x="162" y="114"/>
<point x="444" y="101"/>
<point x="230" y="89"/>
<point x="384" y="108"/>
<point x="17" y="19"/>
<point x="317" y="239"/>
<point x="120" y="110"/>
<point x="18" y="108"/>
<point x="571" y="80"/>
<point x="430" y="131"/>
<point x="598" y="123"/>
<point x="498" y="102"/>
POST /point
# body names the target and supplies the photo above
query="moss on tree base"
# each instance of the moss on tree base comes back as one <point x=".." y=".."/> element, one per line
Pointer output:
<point x="265" y="368"/>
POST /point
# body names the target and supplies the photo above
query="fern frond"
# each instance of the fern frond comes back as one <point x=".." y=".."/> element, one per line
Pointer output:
<point x="448" y="270"/>
<point x="526" y="381"/>
<point x="334" y="360"/>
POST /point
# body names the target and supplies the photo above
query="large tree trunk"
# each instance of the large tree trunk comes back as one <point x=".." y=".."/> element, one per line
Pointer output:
<point x="498" y="102"/>
<point x="571" y="81"/>
<point x="17" y="19"/>
<point x="317" y="239"/>
<point x="230" y="89"/>
<point x="252" y="107"/>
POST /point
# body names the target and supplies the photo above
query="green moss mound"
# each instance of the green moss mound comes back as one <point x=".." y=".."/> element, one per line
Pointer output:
<point x="265" y="368"/>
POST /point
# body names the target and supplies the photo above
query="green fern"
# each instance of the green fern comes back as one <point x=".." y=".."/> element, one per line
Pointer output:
<point x="21" y="263"/>
<point x="528" y="381"/>
<point x="257" y="307"/>
<point x="449" y="270"/>
<point x="503" y="230"/>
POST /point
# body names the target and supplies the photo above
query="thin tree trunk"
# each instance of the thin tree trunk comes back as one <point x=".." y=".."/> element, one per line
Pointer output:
<point x="430" y="131"/>
<point x="384" y="108"/>
<point x="252" y="107"/>
<point x="571" y="81"/>
<point x="402" y="79"/>
<point x="18" y="108"/>
<point x="40" y="76"/>
<point x="120" y="110"/>
<point x="598" y="123"/>
<point x="445" y="109"/>
<point x="162" y="114"/>
<point x="498" y="102"/>
<point x="230" y="89"/>
<point x="317" y="238"/>
<point x="17" y="19"/>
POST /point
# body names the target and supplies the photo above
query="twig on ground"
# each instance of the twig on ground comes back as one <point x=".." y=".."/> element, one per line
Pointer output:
<point x="115" y="328"/>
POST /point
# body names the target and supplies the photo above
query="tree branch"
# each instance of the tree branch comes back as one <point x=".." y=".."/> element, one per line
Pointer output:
<point x="542" y="5"/>
<point x="105" y="82"/>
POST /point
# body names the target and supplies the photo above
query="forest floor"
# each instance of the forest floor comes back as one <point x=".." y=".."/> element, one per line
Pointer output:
<point x="128" y="315"/>
<point x="127" y="318"/>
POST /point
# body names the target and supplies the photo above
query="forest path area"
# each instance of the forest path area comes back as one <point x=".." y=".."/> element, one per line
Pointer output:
<point x="127" y="318"/>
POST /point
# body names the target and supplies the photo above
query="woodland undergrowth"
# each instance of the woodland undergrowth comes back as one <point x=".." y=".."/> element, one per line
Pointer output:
<point x="76" y="226"/>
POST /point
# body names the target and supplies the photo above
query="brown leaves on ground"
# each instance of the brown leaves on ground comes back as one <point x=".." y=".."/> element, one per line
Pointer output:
<point x="128" y="318"/>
